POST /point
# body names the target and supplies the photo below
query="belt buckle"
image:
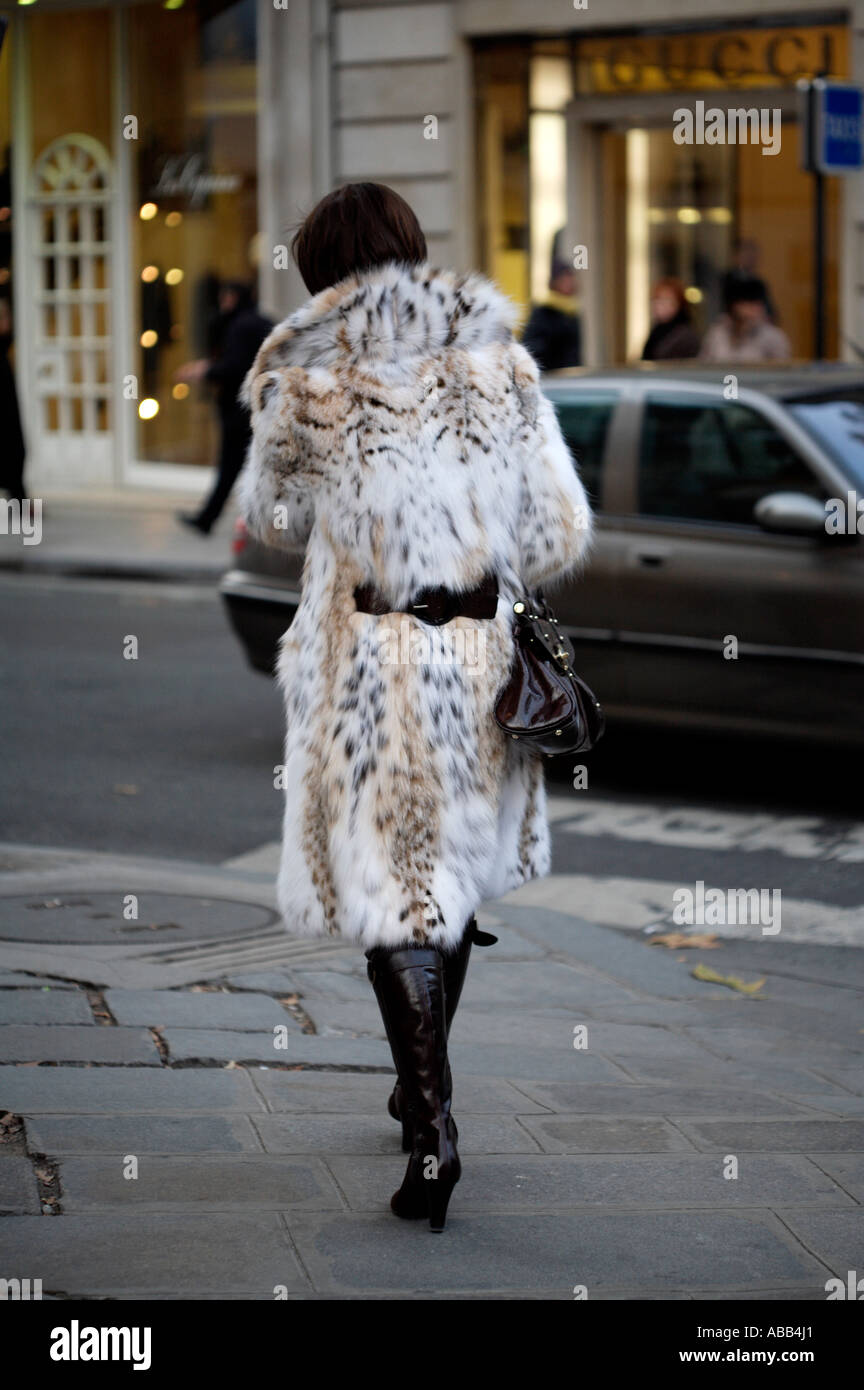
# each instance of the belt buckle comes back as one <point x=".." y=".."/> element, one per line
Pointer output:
<point x="448" y="608"/>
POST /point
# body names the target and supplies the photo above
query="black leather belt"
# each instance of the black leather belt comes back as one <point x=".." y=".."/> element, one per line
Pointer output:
<point x="435" y="605"/>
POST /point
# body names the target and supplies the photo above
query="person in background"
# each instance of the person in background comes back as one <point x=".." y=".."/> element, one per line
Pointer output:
<point x="553" y="333"/>
<point x="240" y="332"/>
<point x="672" y="335"/>
<point x="744" y="333"/>
<point x="12" y="450"/>
<point x="745" y="268"/>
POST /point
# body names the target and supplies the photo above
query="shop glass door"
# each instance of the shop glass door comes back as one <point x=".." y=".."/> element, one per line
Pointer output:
<point x="693" y="212"/>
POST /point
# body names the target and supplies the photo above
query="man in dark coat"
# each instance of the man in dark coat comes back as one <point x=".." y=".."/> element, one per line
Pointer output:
<point x="553" y="333"/>
<point x="12" y="451"/>
<point x="240" y="332"/>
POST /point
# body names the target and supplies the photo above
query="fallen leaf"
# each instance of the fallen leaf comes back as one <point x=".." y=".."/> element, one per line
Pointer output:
<point x="676" y="939"/>
<point x="704" y="972"/>
<point x="126" y="789"/>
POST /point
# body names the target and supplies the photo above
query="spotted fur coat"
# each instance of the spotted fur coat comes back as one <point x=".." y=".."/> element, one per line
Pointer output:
<point x="400" y="431"/>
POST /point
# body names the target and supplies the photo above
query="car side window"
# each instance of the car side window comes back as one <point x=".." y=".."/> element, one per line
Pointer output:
<point x="584" y="421"/>
<point x="711" y="460"/>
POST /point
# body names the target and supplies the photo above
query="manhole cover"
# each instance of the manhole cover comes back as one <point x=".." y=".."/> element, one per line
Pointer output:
<point x="163" y="919"/>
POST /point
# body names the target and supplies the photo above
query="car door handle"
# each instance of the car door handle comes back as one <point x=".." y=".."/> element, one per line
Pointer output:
<point x="651" y="559"/>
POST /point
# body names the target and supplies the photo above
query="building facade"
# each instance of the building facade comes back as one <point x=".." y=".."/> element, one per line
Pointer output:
<point x="153" y="150"/>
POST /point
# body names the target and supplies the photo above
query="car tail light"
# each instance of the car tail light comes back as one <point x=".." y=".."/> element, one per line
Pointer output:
<point x="241" y="536"/>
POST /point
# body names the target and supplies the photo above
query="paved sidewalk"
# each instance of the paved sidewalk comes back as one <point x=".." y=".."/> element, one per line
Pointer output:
<point x="129" y="534"/>
<point x="243" y="1075"/>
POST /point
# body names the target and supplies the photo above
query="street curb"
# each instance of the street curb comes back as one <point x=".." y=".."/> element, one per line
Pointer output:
<point x="166" y="573"/>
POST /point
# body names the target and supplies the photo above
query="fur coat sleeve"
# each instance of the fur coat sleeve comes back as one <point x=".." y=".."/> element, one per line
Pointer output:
<point x="401" y="434"/>
<point x="277" y="492"/>
<point x="555" y="523"/>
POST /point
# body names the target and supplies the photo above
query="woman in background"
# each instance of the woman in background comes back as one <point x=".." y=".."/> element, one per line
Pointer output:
<point x="672" y="336"/>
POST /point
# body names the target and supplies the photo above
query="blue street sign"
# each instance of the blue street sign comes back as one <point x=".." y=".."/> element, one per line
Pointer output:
<point x="838" y="118"/>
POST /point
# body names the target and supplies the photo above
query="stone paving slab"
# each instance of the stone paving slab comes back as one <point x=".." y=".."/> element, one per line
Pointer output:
<point x="11" y="978"/>
<point x="18" y="1189"/>
<point x="379" y="1134"/>
<point x="826" y="965"/>
<point x="837" y="1238"/>
<point x="341" y="1019"/>
<point x="851" y="1077"/>
<point x="31" y="1043"/>
<point x="205" y="1182"/>
<point x="773" y="1035"/>
<point x="124" y="1134"/>
<point x="512" y="1028"/>
<point x="778" y="1136"/>
<point x="201" y="1044"/>
<point x="335" y="985"/>
<point x="639" y="1182"/>
<point x="319" y="1092"/>
<point x="614" y="1039"/>
<point x="651" y="1251"/>
<point x="847" y="1169"/>
<point x="837" y="1105"/>
<point x="511" y="945"/>
<point x="183" y="1009"/>
<point x="532" y="1063"/>
<point x="612" y="1134"/>
<point x="264" y="982"/>
<point x="668" y="1100"/>
<point x="44" y="1006"/>
<point x="115" y="1253"/>
<point x="125" y="1090"/>
<point x="624" y="957"/>
<point x="558" y="985"/>
<point x="702" y="1070"/>
<point x="724" y="1005"/>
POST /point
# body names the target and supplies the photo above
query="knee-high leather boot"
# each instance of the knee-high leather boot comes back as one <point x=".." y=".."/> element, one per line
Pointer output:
<point x="455" y="969"/>
<point x="409" y="986"/>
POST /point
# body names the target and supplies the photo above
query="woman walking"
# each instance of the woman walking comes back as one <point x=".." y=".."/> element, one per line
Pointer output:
<point x="400" y="431"/>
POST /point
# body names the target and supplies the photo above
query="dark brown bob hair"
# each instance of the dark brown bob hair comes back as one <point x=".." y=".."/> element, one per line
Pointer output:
<point x="356" y="227"/>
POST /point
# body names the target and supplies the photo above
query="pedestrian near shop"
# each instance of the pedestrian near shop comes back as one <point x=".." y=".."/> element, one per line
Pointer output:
<point x="745" y="333"/>
<point x="12" y="449"/>
<point x="240" y="331"/>
<point x="400" y="433"/>
<point x="672" y="337"/>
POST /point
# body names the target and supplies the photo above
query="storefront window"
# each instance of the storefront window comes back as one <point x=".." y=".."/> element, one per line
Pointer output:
<point x="70" y="237"/>
<point x="654" y="208"/>
<point x="550" y="92"/>
<point x="5" y="185"/>
<point x="195" y="216"/>
<point x="502" y="83"/>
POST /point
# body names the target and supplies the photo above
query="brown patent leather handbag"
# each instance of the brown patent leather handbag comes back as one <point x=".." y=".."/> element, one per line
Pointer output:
<point x="544" y="704"/>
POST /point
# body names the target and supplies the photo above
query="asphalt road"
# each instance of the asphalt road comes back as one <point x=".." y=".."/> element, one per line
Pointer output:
<point x="170" y="754"/>
<point x="173" y="753"/>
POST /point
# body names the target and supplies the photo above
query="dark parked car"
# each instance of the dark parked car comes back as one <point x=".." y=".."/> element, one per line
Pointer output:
<point x="716" y="595"/>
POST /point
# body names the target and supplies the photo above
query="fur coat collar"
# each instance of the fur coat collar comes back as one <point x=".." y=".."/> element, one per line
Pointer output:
<point x="379" y="318"/>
